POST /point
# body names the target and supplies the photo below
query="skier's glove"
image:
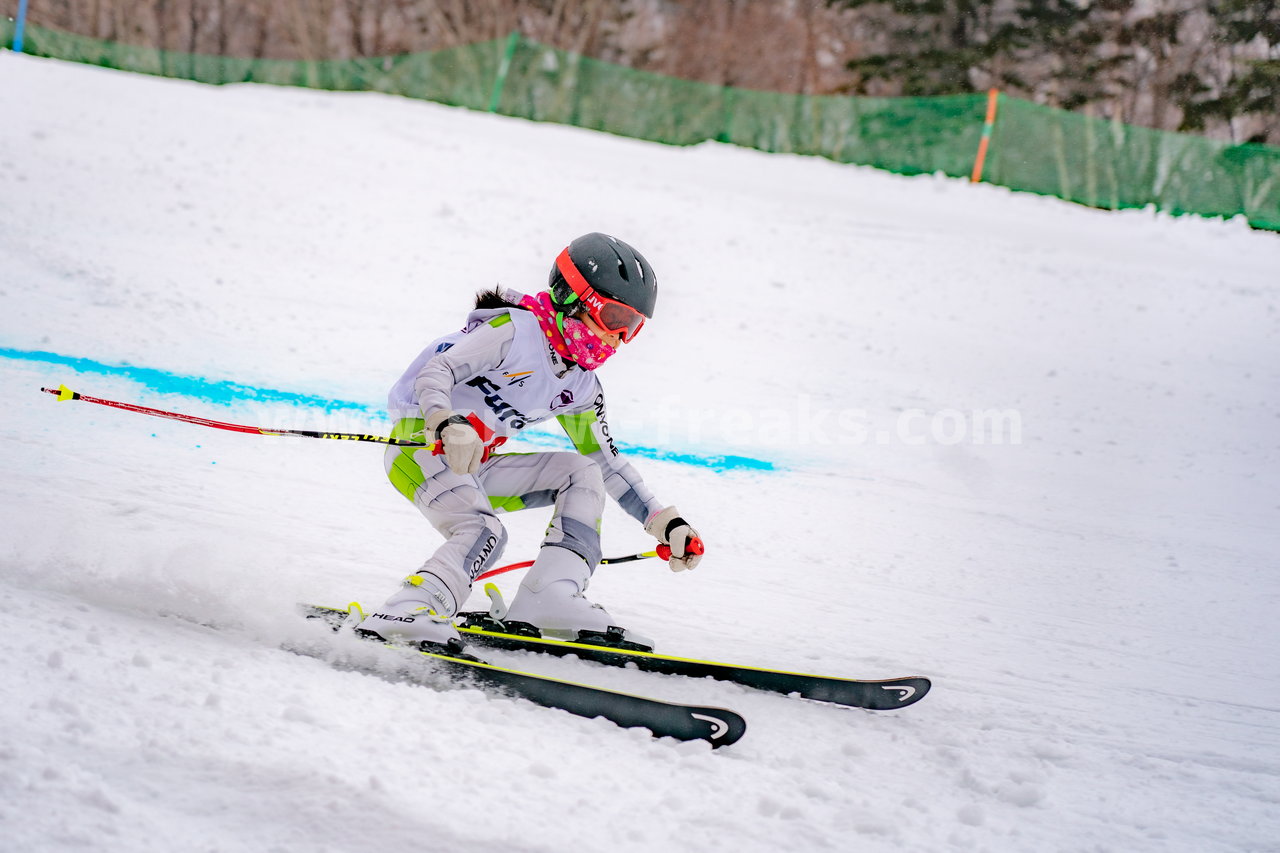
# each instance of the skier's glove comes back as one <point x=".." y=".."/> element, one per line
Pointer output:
<point x="672" y="530"/>
<point x="456" y="439"/>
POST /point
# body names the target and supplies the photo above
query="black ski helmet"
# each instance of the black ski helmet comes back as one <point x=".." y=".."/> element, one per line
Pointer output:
<point x="611" y="268"/>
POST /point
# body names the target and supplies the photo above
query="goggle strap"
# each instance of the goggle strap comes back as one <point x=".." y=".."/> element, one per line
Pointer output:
<point x="577" y="282"/>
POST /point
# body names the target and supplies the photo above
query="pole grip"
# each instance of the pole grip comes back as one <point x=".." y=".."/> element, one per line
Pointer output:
<point x="695" y="547"/>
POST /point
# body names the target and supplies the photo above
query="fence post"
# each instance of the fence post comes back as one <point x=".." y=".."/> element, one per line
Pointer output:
<point x="19" y="26"/>
<point x="503" y="67"/>
<point x="993" y="99"/>
<point x="726" y="114"/>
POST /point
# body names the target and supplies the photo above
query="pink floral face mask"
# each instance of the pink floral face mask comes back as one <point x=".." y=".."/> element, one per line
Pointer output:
<point x="571" y="338"/>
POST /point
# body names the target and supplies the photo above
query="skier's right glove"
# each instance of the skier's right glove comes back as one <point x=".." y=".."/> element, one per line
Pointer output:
<point x="456" y="439"/>
<point x="675" y="533"/>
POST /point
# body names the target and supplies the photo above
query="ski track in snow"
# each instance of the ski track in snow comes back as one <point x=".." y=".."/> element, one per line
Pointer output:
<point x="1094" y="603"/>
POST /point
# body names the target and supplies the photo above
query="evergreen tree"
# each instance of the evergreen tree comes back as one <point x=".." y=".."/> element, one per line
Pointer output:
<point x="1252" y="90"/>
<point x="932" y="47"/>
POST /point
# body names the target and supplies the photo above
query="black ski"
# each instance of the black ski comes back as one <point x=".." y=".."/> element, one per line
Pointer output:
<point x="717" y="726"/>
<point x="879" y="695"/>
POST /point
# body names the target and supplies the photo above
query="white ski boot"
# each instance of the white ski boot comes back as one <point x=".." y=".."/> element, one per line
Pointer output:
<point x="550" y="598"/>
<point x="413" y="615"/>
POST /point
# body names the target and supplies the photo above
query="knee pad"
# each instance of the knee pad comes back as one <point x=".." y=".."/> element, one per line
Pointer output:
<point x="579" y="505"/>
<point x="472" y="545"/>
<point x="489" y="543"/>
<point x="573" y="535"/>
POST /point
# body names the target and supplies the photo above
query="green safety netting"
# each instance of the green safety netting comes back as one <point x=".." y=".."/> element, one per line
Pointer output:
<point x="1112" y="165"/>
<point x="1040" y="149"/>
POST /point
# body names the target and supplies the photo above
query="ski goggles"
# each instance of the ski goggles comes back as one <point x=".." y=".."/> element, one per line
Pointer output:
<point x="609" y="314"/>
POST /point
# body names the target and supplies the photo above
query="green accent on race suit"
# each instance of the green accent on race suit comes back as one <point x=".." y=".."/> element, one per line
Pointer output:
<point x="500" y="320"/>
<point x="512" y="504"/>
<point x="405" y="474"/>
<point x="578" y="427"/>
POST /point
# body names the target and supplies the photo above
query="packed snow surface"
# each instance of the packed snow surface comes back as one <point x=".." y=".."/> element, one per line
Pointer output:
<point x="1024" y="448"/>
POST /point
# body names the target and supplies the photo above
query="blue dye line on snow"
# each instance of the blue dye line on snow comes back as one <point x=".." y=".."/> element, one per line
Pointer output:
<point x="222" y="392"/>
<point x="225" y="393"/>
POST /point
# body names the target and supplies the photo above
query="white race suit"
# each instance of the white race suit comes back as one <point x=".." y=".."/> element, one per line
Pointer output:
<point x="502" y="368"/>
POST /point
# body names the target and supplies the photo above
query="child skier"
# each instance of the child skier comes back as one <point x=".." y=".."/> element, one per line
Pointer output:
<point x="520" y="360"/>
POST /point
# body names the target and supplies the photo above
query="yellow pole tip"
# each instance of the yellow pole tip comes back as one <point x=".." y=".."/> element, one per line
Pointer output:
<point x="65" y="393"/>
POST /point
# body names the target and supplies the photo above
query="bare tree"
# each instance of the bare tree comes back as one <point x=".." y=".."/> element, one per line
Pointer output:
<point x="1206" y="65"/>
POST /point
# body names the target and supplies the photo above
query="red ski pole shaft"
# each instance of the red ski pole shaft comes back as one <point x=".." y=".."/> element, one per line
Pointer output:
<point x="524" y="564"/>
<point x="62" y="392"/>
<point x="502" y="570"/>
<point x="662" y="551"/>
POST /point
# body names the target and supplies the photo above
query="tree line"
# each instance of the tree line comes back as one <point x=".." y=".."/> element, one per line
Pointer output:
<point x="1204" y="66"/>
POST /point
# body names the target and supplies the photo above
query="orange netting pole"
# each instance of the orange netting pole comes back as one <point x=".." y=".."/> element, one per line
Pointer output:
<point x="993" y="99"/>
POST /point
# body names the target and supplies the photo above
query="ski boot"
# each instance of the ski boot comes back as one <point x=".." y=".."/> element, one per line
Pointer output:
<point x="550" y="601"/>
<point x="412" y="616"/>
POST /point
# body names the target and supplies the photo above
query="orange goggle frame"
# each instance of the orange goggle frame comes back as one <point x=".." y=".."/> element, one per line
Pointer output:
<point x="609" y="314"/>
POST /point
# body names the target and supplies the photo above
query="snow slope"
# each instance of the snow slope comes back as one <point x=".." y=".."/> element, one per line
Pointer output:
<point x="1091" y="584"/>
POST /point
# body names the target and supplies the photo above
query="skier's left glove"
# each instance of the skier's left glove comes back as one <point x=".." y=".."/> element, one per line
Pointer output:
<point x="672" y="530"/>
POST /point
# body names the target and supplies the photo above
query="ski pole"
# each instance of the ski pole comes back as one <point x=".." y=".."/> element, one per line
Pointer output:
<point x="62" y="392"/>
<point x="662" y="551"/>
